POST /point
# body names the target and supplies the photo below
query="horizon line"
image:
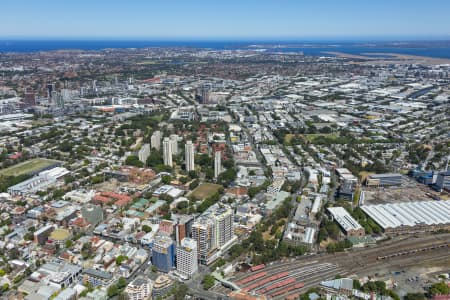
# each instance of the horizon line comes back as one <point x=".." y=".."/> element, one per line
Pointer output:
<point x="392" y="38"/>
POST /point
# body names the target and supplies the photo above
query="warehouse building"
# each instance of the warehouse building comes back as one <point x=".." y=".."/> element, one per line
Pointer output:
<point x="410" y="217"/>
<point x="350" y="226"/>
<point x="386" y="179"/>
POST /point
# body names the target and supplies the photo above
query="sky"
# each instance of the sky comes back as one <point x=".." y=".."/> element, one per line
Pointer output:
<point x="229" y="19"/>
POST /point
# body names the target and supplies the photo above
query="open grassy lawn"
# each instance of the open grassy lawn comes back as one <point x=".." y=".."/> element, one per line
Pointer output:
<point x="310" y="137"/>
<point x="313" y="136"/>
<point x="288" y="137"/>
<point x="205" y="190"/>
<point x="364" y="174"/>
<point x="27" y="167"/>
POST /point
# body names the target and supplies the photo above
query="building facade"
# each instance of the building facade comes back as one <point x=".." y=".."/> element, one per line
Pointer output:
<point x="163" y="253"/>
<point x="203" y="231"/>
<point x="167" y="152"/>
<point x="155" y="140"/>
<point x="189" y="156"/>
<point x="187" y="263"/>
<point x="144" y="153"/>
<point x="217" y="163"/>
<point x="139" y="289"/>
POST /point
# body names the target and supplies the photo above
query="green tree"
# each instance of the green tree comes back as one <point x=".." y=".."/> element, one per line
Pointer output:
<point x="208" y="281"/>
<point x="415" y="296"/>
<point x="155" y="158"/>
<point x="86" y="250"/>
<point x="146" y="228"/>
<point x="181" y="292"/>
<point x="194" y="184"/>
<point x="133" y="160"/>
<point x="113" y="290"/>
<point x="166" y="179"/>
<point x="120" y="259"/>
<point x="121" y="283"/>
<point x="69" y="243"/>
<point x="440" y="288"/>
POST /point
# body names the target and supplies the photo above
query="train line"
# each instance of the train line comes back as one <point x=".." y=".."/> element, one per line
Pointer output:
<point x="291" y="277"/>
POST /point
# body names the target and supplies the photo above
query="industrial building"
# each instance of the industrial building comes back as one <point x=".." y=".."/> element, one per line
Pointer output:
<point x="409" y="217"/>
<point x="41" y="182"/>
<point x="350" y="226"/>
<point x="299" y="235"/>
<point x="386" y="179"/>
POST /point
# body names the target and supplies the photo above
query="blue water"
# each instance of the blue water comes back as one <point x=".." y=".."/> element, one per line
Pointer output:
<point x="439" y="49"/>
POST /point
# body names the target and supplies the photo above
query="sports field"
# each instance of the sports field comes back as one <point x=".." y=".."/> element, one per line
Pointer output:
<point x="205" y="190"/>
<point x="31" y="166"/>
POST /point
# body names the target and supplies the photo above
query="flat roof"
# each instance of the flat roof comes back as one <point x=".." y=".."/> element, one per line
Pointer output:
<point x="410" y="214"/>
<point x="344" y="219"/>
<point x="385" y="175"/>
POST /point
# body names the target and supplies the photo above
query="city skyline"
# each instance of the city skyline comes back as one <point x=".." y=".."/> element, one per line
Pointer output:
<point x="179" y="20"/>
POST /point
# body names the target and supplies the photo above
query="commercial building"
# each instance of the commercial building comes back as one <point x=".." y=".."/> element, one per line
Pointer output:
<point x="183" y="228"/>
<point x="162" y="285"/>
<point x="409" y="217"/>
<point x="203" y="231"/>
<point x="163" y="253"/>
<point x="97" y="277"/>
<point x="41" y="235"/>
<point x="29" y="98"/>
<point x="167" y="152"/>
<point x="217" y="163"/>
<point x="299" y="235"/>
<point x="189" y="156"/>
<point x="213" y="231"/>
<point x="350" y="226"/>
<point x="144" y="153"/>
<point x="139" y="289"/>
<point x="387" y="179"/>
<point x="223" y="222"/>
<point x="346" y="176"/>
<point x="67" y="294"/>
<point x="58" y="273"/>
<point x="155" y="140"/>
<point x="187" y="263"/>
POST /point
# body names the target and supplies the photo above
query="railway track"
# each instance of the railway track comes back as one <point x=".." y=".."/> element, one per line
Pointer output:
<point x="311" y="270"/>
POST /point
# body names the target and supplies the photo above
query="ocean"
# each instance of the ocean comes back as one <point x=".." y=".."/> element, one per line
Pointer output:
<point x="437" y="49"/>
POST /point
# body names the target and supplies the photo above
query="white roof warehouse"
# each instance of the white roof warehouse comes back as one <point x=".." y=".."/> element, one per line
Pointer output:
<point x="409" y="217"/>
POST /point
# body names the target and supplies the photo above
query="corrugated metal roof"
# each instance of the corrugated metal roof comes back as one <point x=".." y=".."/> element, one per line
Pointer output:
<point x="395" y="215"/>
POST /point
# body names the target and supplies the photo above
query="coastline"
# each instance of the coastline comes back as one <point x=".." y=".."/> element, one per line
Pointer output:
<point x="389" y="58"/>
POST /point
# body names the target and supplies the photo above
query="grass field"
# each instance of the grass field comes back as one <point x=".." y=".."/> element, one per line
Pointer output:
<point x="205" y="190"/>
<point x="311" y="137"/>
<point x="363" y="175"/>
<point x="28" y="167"/>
